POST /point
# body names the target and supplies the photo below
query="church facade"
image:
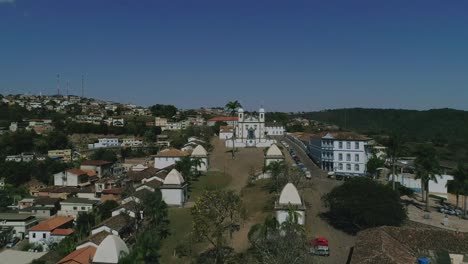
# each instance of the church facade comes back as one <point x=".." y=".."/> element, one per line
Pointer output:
<point x="251" y="131"/>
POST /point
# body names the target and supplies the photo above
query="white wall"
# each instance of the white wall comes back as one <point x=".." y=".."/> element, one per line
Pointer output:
<point x="19" y="227"/>
<point x="270" y="160"/>
<point x="275" y="131"/>
<point x="173" y="196"/>
<point x="409" y="181"/>
<point x="225" y="135"/>
<point x="70" y="179"/>
<point x="37" y="236"/>
<point x="104" y="228"/>
<point x="69" y="209"/>
<point x="204" y="166"/>
<point x="163" y="162"/>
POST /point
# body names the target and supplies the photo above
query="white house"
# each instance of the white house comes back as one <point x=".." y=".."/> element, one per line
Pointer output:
<point x="168" y="157"/>
<point x="73" y="206"/>
<point x="289" y="197"/>
<point x="226" y="132"/>
<point x="438" y="188"/>
<point x="105" y="142"/>
<point x="200" y="153"/>
<point x="174" y="189"/>
<point x="19" y="222"/>
<point x="274" y="129"/>
<point x="110" y="250"/>
<point x="273" y="154"/>
<point x="229" y="120"/>
<point x="72" y="178"/>
<point x="52" y="230"/>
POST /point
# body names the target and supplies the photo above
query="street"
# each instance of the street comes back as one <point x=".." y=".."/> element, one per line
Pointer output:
<point x="340" y="242"/>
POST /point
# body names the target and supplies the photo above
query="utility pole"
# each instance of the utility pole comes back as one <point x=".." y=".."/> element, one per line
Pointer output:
<point x="82" y="85"/>
<point x="58" y="84"/>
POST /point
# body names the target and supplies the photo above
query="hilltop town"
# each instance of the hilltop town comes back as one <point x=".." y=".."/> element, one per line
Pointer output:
<point x="90" y="181"/>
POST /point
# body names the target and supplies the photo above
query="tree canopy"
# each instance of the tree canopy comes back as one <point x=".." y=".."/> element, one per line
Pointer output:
<point x="167" y="111"/>
<point x="362" y="203"/>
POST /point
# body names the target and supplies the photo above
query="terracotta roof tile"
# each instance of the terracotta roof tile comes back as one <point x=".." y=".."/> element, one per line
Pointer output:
<point x="62" y="232"/>
<point x="223" y="118"/>
<point x="51" y="224"/>
<point x="76" y="171"/>
<point x="96" y="238"/>
<point x="172" y="152"/>
<point x="80" y="256"/>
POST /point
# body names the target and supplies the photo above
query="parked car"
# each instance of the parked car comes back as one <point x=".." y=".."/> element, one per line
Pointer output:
<point x="319" y="247"/>
<point x="12" y="242"/>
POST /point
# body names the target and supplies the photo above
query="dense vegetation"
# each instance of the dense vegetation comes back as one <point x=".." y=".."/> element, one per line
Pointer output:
<point x="436" y="125"/>
<point x="362" y="203"/>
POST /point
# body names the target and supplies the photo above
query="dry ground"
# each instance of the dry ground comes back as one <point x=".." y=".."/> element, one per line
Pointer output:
<point x="340" y="242"/>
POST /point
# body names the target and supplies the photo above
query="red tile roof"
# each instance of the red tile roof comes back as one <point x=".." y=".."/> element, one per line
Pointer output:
<point x="172" y="152"/>
<point x="223" y="118"/>
<point x="62" y="232"/>
<point x="76" y="171"/>
<point x="113" y="191"/>
<point x="95" y="162"/>
<point x="80" y="256"/>
<point x="51" y="224"/>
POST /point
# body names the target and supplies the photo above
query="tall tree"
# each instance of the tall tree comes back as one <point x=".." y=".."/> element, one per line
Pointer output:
<point x="457" y="185"/>
<point x="232" y="106"/>
<point x="427" y="167"/>
<point x="217" y="214"/>
<point x="394" y="145"/>
<point x="362" y="203"/>
<point x="277" y="170"/>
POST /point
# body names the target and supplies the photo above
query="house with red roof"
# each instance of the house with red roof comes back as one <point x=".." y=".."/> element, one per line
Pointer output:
<point x="52" y="230"/>
<point x="229" y="120"/>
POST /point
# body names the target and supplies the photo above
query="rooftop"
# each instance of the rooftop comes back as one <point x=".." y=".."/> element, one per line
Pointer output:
<point x="174" y="178"/>
<point x="109" y="251"/>
<point x="79" y="256"/>
<point x="96" y="238"/>
<point x="223" y="118"/>
<point x="95" y="162"/>
<point x="77" y="200"/>
<point x="15" y="216"/>
<point x="116" y="223"/>
<point x="76" y="171"/>
<point x="51" y="224"/>
<point x="290" y="195"/>
<point x="199" y="151"/>
<point x="62" y="232"/>
<point x="138" y="176"/>
<point x="172" y="152"/>
<point x="273" y="151"/>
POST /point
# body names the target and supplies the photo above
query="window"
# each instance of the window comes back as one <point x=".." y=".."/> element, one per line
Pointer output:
<point x="356" y="145"/>
<point x="34" y="235"/>
<point x="340" y="156"/>
<point x="340" y="166"/>
<point x="356" y="167"/>
<point x="348" y="157"/>
<point x="75" y="208"/>
<point x="83" y="208"/>
<point x="43" y="235"/>
<point x="340" y="144"/>
<point x="348" y="145"/>
<point x="348" y="167"/>
<point x="356" y="157"/>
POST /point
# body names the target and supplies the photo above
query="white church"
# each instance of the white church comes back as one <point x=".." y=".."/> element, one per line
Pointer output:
<point x="251" y="131"/>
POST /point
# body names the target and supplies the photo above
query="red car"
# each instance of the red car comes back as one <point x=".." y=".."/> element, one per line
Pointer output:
<point x="319" y="247"/>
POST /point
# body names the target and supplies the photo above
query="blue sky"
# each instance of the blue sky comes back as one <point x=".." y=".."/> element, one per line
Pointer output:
<point x="285" y="55"/>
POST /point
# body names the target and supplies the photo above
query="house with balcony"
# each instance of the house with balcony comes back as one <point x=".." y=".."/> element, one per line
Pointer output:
<point x="105" y="142"/>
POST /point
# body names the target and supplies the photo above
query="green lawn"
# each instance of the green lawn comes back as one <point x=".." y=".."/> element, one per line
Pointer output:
<point x="180" y="225"/>
<point x="212" y="180"/>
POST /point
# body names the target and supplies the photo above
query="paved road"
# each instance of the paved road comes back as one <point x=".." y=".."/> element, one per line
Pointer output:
<point x="340" y="242"/>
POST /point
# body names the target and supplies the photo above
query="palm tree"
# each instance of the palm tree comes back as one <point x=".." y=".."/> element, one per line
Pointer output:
<point x="277" y="170"/>
<point x="231" y="106"/>
<point x="197" y="163"/>
<point x="394" y="145"/>
<point x="427" y="167"/>
<point x="457" y="184"/>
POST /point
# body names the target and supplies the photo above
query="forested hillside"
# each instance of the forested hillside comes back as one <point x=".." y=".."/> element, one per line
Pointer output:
<point x="437" y="125"/>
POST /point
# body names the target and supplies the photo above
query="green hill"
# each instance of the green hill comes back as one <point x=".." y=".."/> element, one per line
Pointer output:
<point x="441" y="125"/>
